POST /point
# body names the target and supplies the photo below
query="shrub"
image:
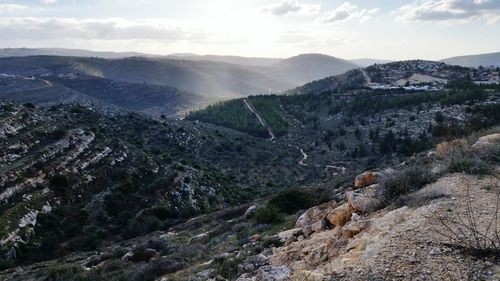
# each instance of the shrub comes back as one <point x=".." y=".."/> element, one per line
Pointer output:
<point x="268" y="214"/>
<point x="402" y="182"/>
<point x="291" y="200"/>
<point x="463" y="231"/>
<point x="469" y="164"/>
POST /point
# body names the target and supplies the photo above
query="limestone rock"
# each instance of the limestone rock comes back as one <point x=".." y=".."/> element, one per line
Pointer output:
<point x="349" y="231"/>
<point x="285" y="235"/>
<point x="486" y="141"/>
<point x="367" y="199"/>
<point x="315" y="214"/>
<point x="365" y="179"/>
<point x="273" y="273"/>
<point x="250" y="211"/>
<point x="308" y="275"/>
<point x="341" y="215"/>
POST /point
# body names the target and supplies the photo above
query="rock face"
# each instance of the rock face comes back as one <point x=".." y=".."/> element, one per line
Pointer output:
<point x="486" y="141"/>
<point x="367" y="199"/>
<point x="341" y="215"/>
<point x="365" y="179"/>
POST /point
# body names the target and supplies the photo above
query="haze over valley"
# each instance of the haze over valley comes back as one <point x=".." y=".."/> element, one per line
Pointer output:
<point x="249" y="140"/>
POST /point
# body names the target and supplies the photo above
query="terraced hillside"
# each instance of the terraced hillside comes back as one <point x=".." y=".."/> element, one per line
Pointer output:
<point x="73" y="177"/>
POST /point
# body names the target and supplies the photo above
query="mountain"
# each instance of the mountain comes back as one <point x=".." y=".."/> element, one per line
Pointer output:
<point x="304" y="68"/>
<point x="113" y="95"/>
<point x="24" y="52"/>
<point x="245" y="61"/>
<point x="259" y="187"/>
<point x="213" y="80"/>
<point x="491" y="59"/>
<point x="367" y="62"/>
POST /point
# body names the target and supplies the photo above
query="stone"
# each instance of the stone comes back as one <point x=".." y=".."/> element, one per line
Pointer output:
<point x="308" y="275"/>
<point x="367" y="199"/>
<point x="341" y="215"/>
<point x="365" y="179"/>
<point x="486" y="141"/>
<point x="255" y="238"/>
<point x="285" y="235"/>
<point x="315" y="227"/>
<point x="315" y="214"/>
<point x="273" y="273"/>
<point x="250" y="211"/>
<point x="354" y="229"/>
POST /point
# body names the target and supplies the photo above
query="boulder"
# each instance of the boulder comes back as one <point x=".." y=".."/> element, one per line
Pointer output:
<point x="341" y="215"/>
<point x="273" y="273"/>
<point x="308" y="275"/>
<point x="250" y="211"/>
<point x="351" y="230"/>
<point x="315" y="227"/>
<point x="367" y="199"/>
<point x="486" y="141"/>
<point x="315" y="214"/>
<point x="285" y="235"/>
<point x="255" y="238"/>
<point x="365" y="179"/>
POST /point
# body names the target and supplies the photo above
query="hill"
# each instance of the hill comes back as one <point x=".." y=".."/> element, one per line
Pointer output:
<point x="491" y="59"/>
<point x="24" y="52"/>
<point x="365" y="62"/>
<point x="99" y="92"/>
<point x="308" y="67"/>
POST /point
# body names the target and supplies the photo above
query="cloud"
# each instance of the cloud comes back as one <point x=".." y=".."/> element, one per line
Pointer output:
<point x="450" y="10"/>
<point x="48" y="2"/>
<point x="286" y="7"/>
<point x="10" y="8"/>
<point x="31" y="28"/>
<point x="348" y="11"/>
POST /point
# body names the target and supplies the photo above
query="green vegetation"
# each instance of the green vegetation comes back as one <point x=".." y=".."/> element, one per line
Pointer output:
<point x="268" y="108"/>
<point x="232" y="114"/>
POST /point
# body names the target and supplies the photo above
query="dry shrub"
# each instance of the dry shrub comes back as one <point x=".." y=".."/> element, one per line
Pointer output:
<point x="448" y="148"/>
<point x="464" y="232"/>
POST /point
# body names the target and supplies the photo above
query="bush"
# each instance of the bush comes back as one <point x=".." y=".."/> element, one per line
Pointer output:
<point x="293" y="200"/>
<point x="463" y="231"/>
<point x="402" y="182"/>
<point x="268" y="214"/>
<point x="469" y="164"/>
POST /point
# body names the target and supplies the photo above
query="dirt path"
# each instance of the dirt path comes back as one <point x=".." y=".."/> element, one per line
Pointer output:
<point x="261" y="120"/>
<point x="365" y="74"/>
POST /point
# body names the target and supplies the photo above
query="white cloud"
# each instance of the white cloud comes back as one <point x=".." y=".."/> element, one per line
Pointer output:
<point x="286" y="7"/>
<point x="48" y="2"/>
<point x="10" y="8"/>
<point x="348" y="11"/>
<point x="450" y="10"/>
<point x="17" y="28"/>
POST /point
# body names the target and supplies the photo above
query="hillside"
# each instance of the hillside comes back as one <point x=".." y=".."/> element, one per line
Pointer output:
<point x="24" y="52"/>
<point x="491" y="59"/>
<point x="73" y="178"/>
<point x="304" y="68"/>
<point x="103" y="93"/>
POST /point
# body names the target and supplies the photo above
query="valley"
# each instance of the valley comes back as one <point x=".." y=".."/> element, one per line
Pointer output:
<point x="101" y="180"/>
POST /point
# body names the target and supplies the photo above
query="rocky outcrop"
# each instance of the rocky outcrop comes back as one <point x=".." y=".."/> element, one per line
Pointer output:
<point x="486" y="141"/>
<point x="366" y="179"/>
<point x="313" y="220"/>
<point x="340" y="215"/>
<point x="367" y="199"/>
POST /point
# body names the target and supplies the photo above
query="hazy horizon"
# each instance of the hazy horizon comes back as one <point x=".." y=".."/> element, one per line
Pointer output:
<point x="392" y="30"/>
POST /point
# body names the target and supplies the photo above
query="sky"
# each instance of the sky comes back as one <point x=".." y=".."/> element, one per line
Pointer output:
<point x="382" y="29"/>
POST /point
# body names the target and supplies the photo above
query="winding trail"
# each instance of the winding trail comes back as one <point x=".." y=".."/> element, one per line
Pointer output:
<point x="261" y="120"/>
<point x="273" y="138"/>
<point x="365" y="74"/>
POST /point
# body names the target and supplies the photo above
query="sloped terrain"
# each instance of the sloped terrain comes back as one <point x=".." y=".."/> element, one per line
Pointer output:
<point x="73" y="177"/>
